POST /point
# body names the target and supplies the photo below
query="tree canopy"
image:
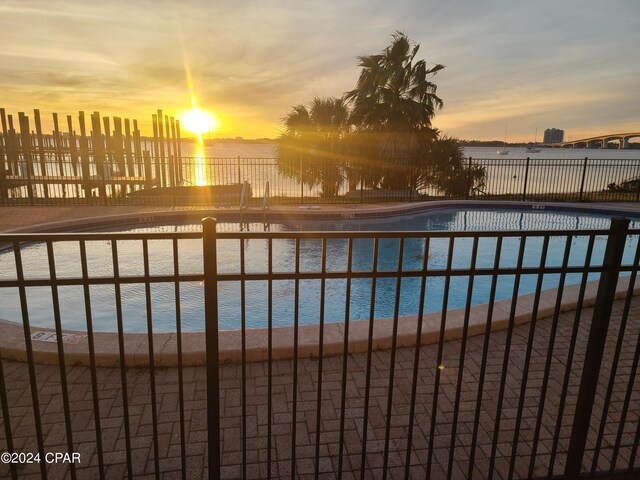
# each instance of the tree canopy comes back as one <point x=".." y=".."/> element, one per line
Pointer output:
<point x="379" y="134"/>
<point x="312" y="145"/>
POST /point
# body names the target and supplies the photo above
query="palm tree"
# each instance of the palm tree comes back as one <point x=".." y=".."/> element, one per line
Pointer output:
<point x="448" y="171"/>
<point x="392" y="106"/>
<point x="311" y="148"/>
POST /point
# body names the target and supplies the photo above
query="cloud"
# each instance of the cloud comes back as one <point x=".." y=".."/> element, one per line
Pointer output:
<point x="572" y="64"/>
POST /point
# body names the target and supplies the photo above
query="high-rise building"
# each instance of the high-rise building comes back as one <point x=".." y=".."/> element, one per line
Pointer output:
<point x="553" y="135"/>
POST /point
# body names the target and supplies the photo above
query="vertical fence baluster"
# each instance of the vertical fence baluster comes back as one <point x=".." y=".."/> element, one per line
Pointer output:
<point x="60" y="347"/>
<point x="123" y="367"/>
<point x="392" y="362"/>
<point x="26" y="326"/>
<point x="469" y="180"/>
<point x="527" y="358"/>
<point x="152" y="360"/>
<point x="269" y="355"/>
<point x="485" y="355"/>
<point x="595" y="346"/>
<point x="507" y="351"/>
<point x="296" y="312"/>
<point x="584" y="176"/>
<point x="209" y="245"/>
<point x="443" y="323"/>
<point x="549" y="357"/>
<point x="345" y="356"/>
<point x="176" y="274"/>
<point x="416" y="358"/>
<point x="320" y="355"/>
<point x="92" y="356"/>
<point x="6" y="418"/>
<point x="367" y="388"/>
<point x="463" y="350"/>
<point x="570" y="353"/>
<point x="243" y="365"/>
<point x="526" y="177"/>
<point x="638" y="182"/>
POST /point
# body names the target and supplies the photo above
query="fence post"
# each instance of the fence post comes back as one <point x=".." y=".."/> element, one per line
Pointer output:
<point x="526" y="176"/>
<point x="638" y="188"/>
<point x="469" y="180"/>
<point x="301" y="183"/>
<point x="584" y="174"/>
<point x="595" y="346"/>
<point x="239" y="175"/>
<point x="211" y="335"/>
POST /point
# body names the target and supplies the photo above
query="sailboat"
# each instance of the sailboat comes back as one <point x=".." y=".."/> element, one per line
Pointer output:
<point x="531" y="148"/>
<point x="503" y="150"/>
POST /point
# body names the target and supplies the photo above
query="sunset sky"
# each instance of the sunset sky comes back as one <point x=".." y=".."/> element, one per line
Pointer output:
<point x="568" y="64"/>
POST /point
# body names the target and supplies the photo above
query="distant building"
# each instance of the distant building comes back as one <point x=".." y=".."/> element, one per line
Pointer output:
<point x="553" y="135"/>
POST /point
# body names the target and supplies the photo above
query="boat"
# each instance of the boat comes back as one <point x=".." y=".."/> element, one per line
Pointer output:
<point x="503" y="150"/>
<point x="532" y="147"/>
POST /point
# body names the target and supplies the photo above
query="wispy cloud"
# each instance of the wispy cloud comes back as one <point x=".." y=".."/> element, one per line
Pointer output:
<point x="572" y="64"/>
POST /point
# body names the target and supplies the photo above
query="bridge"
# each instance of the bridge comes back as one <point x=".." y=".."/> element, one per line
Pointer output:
<point x="601" y="141"/>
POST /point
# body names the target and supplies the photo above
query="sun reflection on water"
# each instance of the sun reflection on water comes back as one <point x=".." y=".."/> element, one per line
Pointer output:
<point x="200" y="172"/>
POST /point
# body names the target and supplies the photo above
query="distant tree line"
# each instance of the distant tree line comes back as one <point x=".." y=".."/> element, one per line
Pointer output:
<point x="378" y="135"/>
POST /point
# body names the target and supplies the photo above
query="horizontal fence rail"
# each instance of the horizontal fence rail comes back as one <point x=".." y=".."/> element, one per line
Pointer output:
<point x="334" y="375"/>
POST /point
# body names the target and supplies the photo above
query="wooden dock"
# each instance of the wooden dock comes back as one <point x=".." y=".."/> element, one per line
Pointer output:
<point x="98" y="157"/>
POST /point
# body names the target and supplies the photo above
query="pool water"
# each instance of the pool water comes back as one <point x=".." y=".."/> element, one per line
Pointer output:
<point x="163" y="295"/>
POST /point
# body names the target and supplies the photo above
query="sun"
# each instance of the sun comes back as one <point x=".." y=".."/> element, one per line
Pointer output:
<point x="199" y="121"/>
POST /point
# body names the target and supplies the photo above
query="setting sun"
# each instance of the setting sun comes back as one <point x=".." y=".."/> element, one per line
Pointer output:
<point x="199" y="121"/>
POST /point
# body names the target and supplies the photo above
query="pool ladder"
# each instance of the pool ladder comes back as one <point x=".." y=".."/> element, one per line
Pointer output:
<point x="244" y="205"/>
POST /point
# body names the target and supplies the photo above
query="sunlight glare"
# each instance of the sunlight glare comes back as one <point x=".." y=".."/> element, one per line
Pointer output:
<point x="199" y="121"/>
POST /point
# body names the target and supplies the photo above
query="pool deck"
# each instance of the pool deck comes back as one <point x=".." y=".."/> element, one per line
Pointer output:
<point x="25" y="219"/>
<point x="138" y="381"/>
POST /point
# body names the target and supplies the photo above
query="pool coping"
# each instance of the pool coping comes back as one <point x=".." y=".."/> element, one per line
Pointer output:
<point x="165" y="345"/>
<point x="343" y="212"/>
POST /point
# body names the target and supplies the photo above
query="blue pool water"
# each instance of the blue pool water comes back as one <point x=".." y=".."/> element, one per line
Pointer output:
<point x="67" y="260"/>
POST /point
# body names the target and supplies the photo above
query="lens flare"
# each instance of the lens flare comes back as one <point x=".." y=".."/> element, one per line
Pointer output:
<point x="199" y="121"/>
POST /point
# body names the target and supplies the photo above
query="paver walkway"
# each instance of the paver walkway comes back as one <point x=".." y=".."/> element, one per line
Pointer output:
<point x="84" y="436"/>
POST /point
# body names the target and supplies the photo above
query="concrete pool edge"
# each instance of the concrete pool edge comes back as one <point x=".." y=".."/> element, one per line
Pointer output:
<point x="136" y="347"/>
<point x="280" y="213"/>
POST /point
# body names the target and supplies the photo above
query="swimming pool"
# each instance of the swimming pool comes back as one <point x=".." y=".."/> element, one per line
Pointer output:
<point x="161" y="262"/>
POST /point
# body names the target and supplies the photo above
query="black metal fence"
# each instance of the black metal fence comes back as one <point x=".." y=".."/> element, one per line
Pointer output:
<point x="105" y="161"/>
<point x="65" y="179"/>
<point x="481" y="394"/>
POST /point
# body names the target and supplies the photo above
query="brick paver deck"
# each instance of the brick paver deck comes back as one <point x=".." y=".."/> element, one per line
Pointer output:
<point x="84" y="436"/>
